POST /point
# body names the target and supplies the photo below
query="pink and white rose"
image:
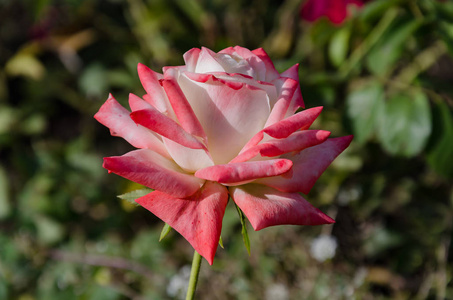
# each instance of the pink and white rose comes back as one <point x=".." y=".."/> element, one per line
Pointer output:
<point x="223" y="125"/>
<point x="335" y="10"/>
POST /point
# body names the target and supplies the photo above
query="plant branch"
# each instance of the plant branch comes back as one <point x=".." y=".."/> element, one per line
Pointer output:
<point x="422" y="62"/>
<point x="101" y="260"/>
<point x="196" y="263"/>
<point x="368" y="43"/>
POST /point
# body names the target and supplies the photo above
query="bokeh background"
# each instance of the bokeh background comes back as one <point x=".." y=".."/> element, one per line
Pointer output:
<point x="383" y="71"/>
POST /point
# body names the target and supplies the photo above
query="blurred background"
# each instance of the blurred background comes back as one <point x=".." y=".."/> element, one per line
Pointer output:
<point x="383" y="70"/>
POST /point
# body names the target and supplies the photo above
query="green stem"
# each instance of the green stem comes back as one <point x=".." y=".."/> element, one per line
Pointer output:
<point x="196" y="263"/>
<point x="368" y="43"/>
<point x="423" y="61"/>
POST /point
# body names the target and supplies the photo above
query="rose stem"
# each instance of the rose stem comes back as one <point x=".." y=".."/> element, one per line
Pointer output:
<point x="196" y="263"/>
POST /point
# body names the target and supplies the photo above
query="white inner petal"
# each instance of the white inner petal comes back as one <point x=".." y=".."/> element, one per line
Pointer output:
<point x="229" y="117"/>
<point x="235" y="64"/>
<point x="190" y="160"/>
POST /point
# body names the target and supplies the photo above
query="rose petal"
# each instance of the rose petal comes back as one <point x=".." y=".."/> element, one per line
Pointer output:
<point x="296" y="142"/>
<point x="136" y="103"/>
<point x="117" y="119"/>
<point x="207" y="63"/>
<point x="229" y="117"/>
<point x="292" y="72"/>
<point x="299" y="121"/>
<point x="198" y="218"/>
<point x="246" y="60"/>
<point x="285" y="91"/>
<point x="191" y="59"/>
<point x="155" y="171"/>
<point x="285" y="127"/>
<point x="235" y="64"/>
<point x="150" y="82"/>
<point x="265" y="206"/>
<point x="244" y="171"/>
<point x="297" y="100"/>
<point x="308" y="166"/>
<point x="235" y="81"/>
<point x="202" y="78"/>
<point x="190" y="160"/>
<point x="336" y="11"/>
<point x="181" y="106"/>
<point x="271" y="72"/>
<point x="154" y="120"/>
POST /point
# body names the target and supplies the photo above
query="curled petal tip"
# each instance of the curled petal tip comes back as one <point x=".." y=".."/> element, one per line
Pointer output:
<point x="329" y="220"/>
<point x="322" y="134"/>
<point x="141" y="66"/>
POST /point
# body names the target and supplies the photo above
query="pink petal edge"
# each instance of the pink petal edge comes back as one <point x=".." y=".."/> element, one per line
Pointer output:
<point x="265" y="206"/>
<point x="244" y="171"/>
<point x="197" y="218"/>
<point x="151" y="84"/>
<point x="296" y="142"/>
<point x="117" y="119"/>
<point x="181" y="106"/>
<point x="285" y="127"/>
<point x="153" y="170"/>
<point x="286" y="88"/>
<point x="152" y="119"/>
<point x="308" y="166"/>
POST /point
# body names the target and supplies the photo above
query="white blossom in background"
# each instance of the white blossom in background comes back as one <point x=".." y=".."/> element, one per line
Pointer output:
<point x="345" y="196"/>
<point x="323" y="247"/>
<point x="177" y="287"/>
<point x="276" y="291"/>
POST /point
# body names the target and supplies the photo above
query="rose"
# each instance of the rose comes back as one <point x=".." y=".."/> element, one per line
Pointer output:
<point x="335" y="10"/>
<point x="224" y="124"/>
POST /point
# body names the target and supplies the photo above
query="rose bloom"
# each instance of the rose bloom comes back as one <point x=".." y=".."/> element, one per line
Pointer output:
<point x="335" y="10"/>
<point x="223" y="125"/>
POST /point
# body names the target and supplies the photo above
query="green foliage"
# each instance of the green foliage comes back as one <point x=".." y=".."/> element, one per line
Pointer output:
<point x="5" y="206"/>
<point x="245" y="235"/>
<point x="134" y="195"/>
<point x="363" y="107"/>
<point x="391" y="46"/>
<point x="439" y="157"/>
<point x="165" y="231"/>
<point x="383" y="75"/>
<point x="339" y="45"/>
<point x="405" y="124"/>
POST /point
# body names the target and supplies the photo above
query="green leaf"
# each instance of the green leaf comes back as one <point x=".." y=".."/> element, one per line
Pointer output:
<point x="93" y="80"/>
<point x="165" y="231"/>
<point x="8" y="117"/>
<point x="391" y="46"/>
<point x="101" y="292"/>
<point x="439" y="157"/>
<point x="362" y="108"/>
<point x="49" y="231"/>
<point x="381" y="241"/>
<point x="375" y="9"/>
<point x="25" y="64"/>
<point x="194" y="11"/>
<point x="446" y="33"/>
<point x="39" y="6"/>
<point x="221" y="243"/>
<point x="3" y="288"/>
<point x="5" y="207"/>
<point x="444" y="10"/>
<point x="339" y="45"/>
<point x="131" y="196"/>
<point x="34" y="124"/>
<point x="405" y="124"/>
<point x="245" y="235"/>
